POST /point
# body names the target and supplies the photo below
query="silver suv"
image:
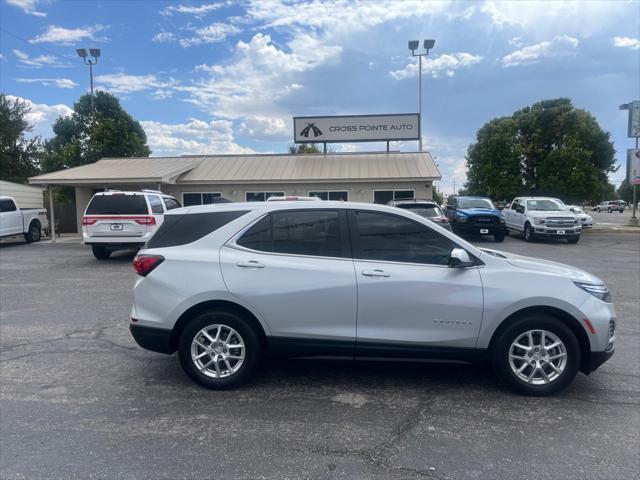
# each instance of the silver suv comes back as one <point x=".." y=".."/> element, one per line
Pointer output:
<point x="224" y="284"/>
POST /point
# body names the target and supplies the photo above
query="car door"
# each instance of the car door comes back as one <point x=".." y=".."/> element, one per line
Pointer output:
<point x="293" y="267"/>
<point x="408" y="296"/>
<point x="10" y="218"/>
<point x="516" y="218"/>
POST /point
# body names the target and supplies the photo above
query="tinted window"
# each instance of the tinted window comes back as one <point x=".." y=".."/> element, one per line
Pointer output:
<point x="309" y="232"/>
<point x="118" y="204"/>
<point x="183" y="229"/>
<point x="171" y="203"/>
<point x="156" y="204"/>
<point x="382" y="196"/>
<point x="7" y="206"/>
<point x="208" y="198"/>
<point x="426" y="211"/>
<point x="475" y="203"/>
<point x="391" y="238"/>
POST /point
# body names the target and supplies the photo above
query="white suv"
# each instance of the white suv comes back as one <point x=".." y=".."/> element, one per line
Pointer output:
<point x="116" y="220"/>
<point x="224" y="284"/>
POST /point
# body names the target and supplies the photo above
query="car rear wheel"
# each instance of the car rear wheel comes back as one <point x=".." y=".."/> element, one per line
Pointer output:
<point x="101" y="253"/>
<point x="528" y="233"/>
<point x="34" y="234"/>
<point x="536" y="355"/>
<point x="218" y="349"/>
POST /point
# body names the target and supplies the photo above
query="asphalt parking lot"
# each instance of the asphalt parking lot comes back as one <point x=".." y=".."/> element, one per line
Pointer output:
<point x="79" y="399"/>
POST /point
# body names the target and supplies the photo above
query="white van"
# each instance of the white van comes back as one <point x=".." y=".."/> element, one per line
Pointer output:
<point x="117" y="220"/>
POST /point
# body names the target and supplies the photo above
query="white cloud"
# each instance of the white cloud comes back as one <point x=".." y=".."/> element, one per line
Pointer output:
<point x="123" y="83"/>
<point x="57" y="82"/>
<point x="259" y="75"/>
<point x="265" y="127"/>
<point x="446" y="64"/>
<point x="626" y="42"/>
<point x="214" y="33"/>
<point x="36" y="62"/>
<point x="68" y="36"/>
<point x="163" y="37"/>
<point x="191" y="10"/>
<point x="27" y="6"/>
<point x="559" y="46"/>
<point x="194" y="138"/>
<point x="42" y="116"/>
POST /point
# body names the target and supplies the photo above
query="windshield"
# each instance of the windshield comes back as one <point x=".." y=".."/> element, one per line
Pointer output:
<point x="118" y="205"/>
<point x="545" y="205"/>
<point x="475" y="203"/>
<point x="426" y="211"/>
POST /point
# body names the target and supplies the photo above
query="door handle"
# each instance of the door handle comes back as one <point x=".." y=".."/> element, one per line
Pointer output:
<point x="250" y="264"/>
<point x="375" y="273"/>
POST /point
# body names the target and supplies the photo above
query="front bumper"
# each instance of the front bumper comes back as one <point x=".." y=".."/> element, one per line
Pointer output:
<point x="596" y="359"/>
<point x="474" y="228"/>
<point x="154" y="339"/>
<point x="557" y="232"/>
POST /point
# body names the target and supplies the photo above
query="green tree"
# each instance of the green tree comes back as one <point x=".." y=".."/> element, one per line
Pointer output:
<point x="304" y="148"/>
<point x="87" y="136"/>
<point x="19" y="156"/>
<point x="625" y="191"/>
<point x="437" y="197"/>
<point x="549" y="148"/>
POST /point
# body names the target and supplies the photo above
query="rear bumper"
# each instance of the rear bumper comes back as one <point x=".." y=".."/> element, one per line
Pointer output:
<point x="116" y="246"/>
<point x="150" y="338"/>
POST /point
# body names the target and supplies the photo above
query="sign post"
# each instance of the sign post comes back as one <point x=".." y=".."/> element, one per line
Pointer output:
<point x="633" y="155"/>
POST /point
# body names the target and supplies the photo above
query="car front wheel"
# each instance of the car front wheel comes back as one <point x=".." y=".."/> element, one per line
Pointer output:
<point x="218" y="349"/>
<point x="536" y="355"/>
<point x="528" y="233"/>
<point x="499" y="237"/>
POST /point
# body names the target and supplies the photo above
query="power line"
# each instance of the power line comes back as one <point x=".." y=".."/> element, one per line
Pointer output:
<point x="32" y="44"/>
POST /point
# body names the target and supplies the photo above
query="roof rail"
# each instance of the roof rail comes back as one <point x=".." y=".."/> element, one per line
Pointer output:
<point x="147" y="190"/>
<point x="292" y="198"/>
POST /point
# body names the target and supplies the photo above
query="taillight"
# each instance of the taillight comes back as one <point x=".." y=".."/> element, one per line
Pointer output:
<point x="88" y="221"/>
<point x="146" y="221"/>
<point x="144" y="264"/>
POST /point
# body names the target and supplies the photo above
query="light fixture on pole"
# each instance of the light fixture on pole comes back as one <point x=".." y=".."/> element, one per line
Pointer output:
<point x="94" y="53"/>
<point x="413" y="46"/>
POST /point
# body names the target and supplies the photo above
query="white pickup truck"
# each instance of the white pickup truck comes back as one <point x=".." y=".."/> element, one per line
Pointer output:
<point x="542" y="217"/>
<point x="21" y="221"/>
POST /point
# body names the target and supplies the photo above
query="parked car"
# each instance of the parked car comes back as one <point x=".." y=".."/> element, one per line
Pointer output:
<point x="117" y="220"/>
<point x="26" y="222"/>
<point x="586" y="220"/>
<point x="222" y="285"/>
<point x="610" y="206"/>
<point x="546" y="217"/>
<point x="425" y="208"/>
<point x="475" y="216"/>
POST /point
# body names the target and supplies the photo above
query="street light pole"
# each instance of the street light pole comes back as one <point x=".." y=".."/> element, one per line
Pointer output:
<point x="84" y="54"/>
<point x="413" y="46"/>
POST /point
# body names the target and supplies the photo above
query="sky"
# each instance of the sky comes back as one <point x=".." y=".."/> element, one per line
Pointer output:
<point x="228" y="76"/>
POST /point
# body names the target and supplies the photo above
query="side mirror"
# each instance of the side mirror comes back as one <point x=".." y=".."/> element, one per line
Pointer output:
<point x="459" y="258"/>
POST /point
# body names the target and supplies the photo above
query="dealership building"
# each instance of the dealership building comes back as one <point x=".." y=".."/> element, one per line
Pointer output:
<point x="372" y="177"/>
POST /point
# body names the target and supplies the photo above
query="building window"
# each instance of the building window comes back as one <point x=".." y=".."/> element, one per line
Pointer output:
<point x="385" y="196"/>
<point x="261" y="196"/>
<point x="199" y="198"/>
<point x="331" y="195"/>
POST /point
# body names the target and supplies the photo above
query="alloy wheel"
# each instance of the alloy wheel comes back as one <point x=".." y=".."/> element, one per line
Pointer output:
<point x="538" y="357"/>
<point x="218" y="351"/>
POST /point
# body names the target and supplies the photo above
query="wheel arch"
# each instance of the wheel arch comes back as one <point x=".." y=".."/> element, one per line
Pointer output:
<point x="37" y="222"/>
<point x="565" y="317"/>
<point x="219" y="305"/>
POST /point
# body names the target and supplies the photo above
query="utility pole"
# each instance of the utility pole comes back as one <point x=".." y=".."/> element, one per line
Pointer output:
<point x="633" y="132"/>
<point x="84" y="54"/>
<point x="413" y="46"/>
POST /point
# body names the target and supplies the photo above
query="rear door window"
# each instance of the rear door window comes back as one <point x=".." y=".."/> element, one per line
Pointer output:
<point x="156" y="204"/>
<point x="299" y="232"/>
<point x="118" y="205"/>
<point x="7" y="205"/>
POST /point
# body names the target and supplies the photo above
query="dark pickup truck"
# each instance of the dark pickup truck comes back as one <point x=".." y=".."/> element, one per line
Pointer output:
<point x="475" y="216"/>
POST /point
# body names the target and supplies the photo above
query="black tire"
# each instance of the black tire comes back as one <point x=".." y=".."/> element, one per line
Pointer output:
<point x="528" y="233"/>
<point x="229" y="319"/>
<point x="101" y="253"/>
<point x="507" y="232"/>
<point x="609" y="209"/>
<point x="574" y="240"/>
<point x="502" y="344"/>
<point x="499" y="237"/>
<point x="621" y="210"/>
<point x="34" y="234"/>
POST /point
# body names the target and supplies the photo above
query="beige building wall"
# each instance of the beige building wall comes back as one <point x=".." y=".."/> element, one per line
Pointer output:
<point x="24" y="195"/>
<point x="358" y="192"/>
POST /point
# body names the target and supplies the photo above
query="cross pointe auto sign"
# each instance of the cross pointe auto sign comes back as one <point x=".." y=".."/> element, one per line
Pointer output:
<point x="356" y="128"/>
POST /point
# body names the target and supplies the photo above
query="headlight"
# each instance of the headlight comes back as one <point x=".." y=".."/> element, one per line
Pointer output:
<point x="598" y="291"/>
<point x="539" y="220"/>
<point x="461" y="218"/>
<point x="501" y="219"/>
